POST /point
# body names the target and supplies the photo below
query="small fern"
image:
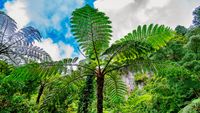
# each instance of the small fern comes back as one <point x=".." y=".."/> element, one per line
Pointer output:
<point x="193" y="107"/>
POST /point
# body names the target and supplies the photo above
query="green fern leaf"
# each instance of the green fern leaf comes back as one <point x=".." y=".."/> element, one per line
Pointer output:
<point x="116" y="89"/>
<point x="93" y="32"/>
<point x="145" y="39"/>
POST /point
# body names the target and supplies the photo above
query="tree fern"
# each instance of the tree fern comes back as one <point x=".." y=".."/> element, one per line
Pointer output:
<point x="16" y="46"/>
<point x="43" y="72"/>
<point x="92" y="30"/>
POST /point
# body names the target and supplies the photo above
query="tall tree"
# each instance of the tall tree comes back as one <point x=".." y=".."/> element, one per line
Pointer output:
<point x="92" y="30"/>
<point x="17" y="46"/>
<point x="194" y="43"/>
<point x="196" y="13"/>
<point x="181" y="30"/>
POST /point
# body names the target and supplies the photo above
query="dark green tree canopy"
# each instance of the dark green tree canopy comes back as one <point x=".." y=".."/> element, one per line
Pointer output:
<point x="196" y="13"/>
<point x="181" y="30"/>
<point x="194" y="43"/>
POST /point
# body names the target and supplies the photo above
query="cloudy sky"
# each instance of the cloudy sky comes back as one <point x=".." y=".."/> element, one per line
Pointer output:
<point x="51" y="18"/>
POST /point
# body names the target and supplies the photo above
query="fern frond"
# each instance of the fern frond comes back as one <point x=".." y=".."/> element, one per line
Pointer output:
<point x="115" y="88"/>
<point x="93" y="32"/>
<point x="25" y="36"/>
<point x="55" y="97"/>
<point x="16" y="46"/>
<point x="193" y="107"/>
<point x="128" y="50"/>
<point x="8" y="26"/>
<point x="44" y="70"/>
<point x="145" y="39"/>
<point x="156" y="35"/>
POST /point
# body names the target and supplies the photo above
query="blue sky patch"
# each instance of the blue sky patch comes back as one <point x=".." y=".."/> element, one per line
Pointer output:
<point x="52" y="20"/>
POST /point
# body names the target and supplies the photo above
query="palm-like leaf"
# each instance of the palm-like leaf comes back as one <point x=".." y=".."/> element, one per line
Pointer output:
<point x="93" y="31"/>
<point x="140" y="42"/>
<point x="156" y="35"/>
<point x="7" y="26"/>
<point x="58" y="99"/>
<point x="16" y="46"/>
<point x="116" y="89"/>
<point x="45" y="70"/>
<point x="128" y="50"/>
<point x="137" y="45"/>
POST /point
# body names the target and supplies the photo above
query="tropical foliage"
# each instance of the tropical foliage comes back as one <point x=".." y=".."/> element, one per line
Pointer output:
<point x="16" y="46"/>
<point x="152" y="69"/>
<point x="93" y="33"/>
<point x="196" y="14"/>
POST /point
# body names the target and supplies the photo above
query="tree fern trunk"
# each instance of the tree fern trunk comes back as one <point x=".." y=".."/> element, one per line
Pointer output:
<point x="40" y="93"/>
<point x="100" y="84"/>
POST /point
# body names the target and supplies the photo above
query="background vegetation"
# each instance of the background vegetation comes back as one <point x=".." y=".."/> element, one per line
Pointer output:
<point x="153" y="69"/>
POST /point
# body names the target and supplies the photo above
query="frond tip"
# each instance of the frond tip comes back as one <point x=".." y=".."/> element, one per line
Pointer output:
<point x="93" y="32"/>
<point x="156" y="35"/>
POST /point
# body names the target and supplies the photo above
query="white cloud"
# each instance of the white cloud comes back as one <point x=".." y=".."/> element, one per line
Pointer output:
<point x="57" y="51"/>
<point x="157" y="3"/>
<point x="41" y="13"/>
<point x="112" y="4"/>
<point x="65" y="50"/>
<point x="51" y="13"/>
<point x="138" y="12"/>
<point x="16" y="10"/>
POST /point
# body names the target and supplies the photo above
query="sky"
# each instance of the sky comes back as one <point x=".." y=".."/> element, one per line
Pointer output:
<point x="52" y="18"/>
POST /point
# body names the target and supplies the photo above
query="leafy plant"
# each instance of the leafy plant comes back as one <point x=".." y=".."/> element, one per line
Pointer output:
<point x="16" y="46"/>
<point x="193" y="107"/>
<point x="196" y="13"/>
<point x="92" y="30"/>
<point x="168" y="91"/>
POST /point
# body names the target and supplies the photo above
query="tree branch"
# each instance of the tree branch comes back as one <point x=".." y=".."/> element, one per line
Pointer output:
<point x="113" y="55"/>
<point x="78" y="65"/>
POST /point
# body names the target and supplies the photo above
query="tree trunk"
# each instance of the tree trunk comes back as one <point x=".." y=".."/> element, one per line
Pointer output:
<point x="40" y="93"/>
<point x="100" y="84"/>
